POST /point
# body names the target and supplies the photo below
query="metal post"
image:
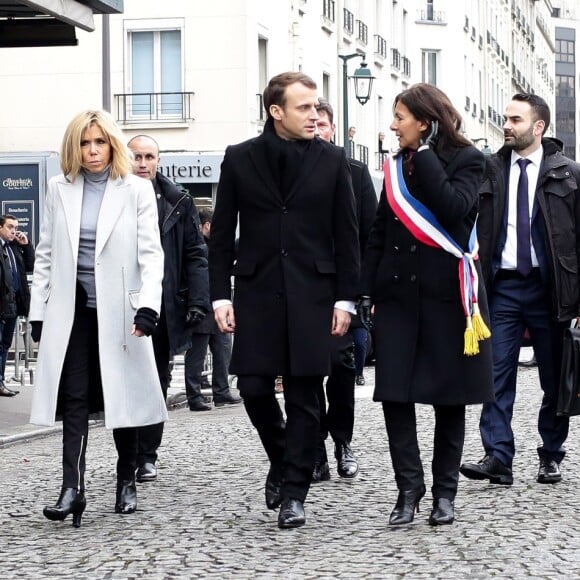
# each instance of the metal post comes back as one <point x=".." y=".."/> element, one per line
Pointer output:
<point x="106" y="78"/>
<point x="345" y="143"/>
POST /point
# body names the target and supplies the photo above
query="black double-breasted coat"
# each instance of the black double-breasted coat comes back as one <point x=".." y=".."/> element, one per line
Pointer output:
<point x="297" y="255"/>
<point x="419" y="320"/>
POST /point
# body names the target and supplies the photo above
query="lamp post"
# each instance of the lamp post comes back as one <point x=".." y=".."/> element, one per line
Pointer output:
<point x="486" y="149"/>
<point x="363" y="84"/>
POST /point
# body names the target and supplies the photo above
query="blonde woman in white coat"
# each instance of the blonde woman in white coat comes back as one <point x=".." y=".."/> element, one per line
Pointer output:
<point x="96" y="293"/>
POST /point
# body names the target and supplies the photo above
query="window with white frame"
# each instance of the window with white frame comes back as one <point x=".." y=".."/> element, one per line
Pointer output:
<point x="154" y="69"/>
<point x="429" y="60"/>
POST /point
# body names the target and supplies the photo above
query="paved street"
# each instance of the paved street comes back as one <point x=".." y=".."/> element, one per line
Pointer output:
<point x="206" y="517"/>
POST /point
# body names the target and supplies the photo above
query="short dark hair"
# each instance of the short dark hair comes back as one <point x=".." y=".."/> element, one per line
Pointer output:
<point x="205" y="215"/>
<point x="325" y="106"/>
<point x="539" y="106"/>
<point x="275" y="92"/>
<point x="6" y="217"/>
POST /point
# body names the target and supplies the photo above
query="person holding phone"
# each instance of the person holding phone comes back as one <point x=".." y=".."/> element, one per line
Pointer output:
<point x="430" y="324"/>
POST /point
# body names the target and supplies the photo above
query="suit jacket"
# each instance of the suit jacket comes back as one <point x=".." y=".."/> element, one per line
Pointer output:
<point x="128" y="276"/>
<point x="297" y="255"/>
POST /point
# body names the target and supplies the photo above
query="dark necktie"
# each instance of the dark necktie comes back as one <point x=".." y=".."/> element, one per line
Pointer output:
<point x="524" y="265"/>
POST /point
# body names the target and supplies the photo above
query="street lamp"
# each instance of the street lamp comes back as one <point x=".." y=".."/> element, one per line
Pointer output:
<point x="486" y="149"/>
<point x="363" y="84"/>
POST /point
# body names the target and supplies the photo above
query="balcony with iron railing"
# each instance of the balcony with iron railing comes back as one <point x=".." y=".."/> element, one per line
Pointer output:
<point x="431" y="16"/>
<point x="348" y="21"/>
<point x="380" y="46"/>
<point x="261" y="111"/>
<point x="362" y="32"/>
<point x="381" y="157"/>
<point x="406" y="67"/>
<point x="171" y="107"/>
<point x="363" y="154"/>
<point x="396" y="58"/>
<point x="328" y="10"/>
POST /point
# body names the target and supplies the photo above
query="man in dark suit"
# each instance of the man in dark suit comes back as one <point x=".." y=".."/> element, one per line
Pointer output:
<point x="295" y="272"/>
<point x="16" y="261"/>
<point x="185" y="298"/>
<point x="350" y="350"/>
<point x="529" y="235"/>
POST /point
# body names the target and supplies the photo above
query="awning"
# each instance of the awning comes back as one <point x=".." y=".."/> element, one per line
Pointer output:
<point x="49" y="22"/>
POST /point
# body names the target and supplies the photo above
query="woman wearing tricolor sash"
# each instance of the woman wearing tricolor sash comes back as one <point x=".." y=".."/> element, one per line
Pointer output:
<point x="421" y="272"/>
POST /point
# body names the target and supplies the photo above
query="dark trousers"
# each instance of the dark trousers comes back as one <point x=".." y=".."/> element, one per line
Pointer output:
<point x="401" y="423"/>
<point x="517" y="303"/>
<point x="80" y="376"/>
<point x="338" y="419"/>
<point x="149" y="437"/>
<point x="7" y="327"/>
<point x="290" y="446"/>
<point x="220" y="346"/>
<point x="360" y="336"/>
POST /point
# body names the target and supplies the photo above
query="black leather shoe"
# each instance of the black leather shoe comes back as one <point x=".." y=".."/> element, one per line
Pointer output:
<point x="199" y="405"/>
<point x="549" y="471"/>
<point x="272" y="488"/>
<point x="229" y="400"/>
<point x="321" y="472"/>
<point x="442" y="513"/>
<point x="360" y="380"/>
<point x="346" y="463"/>
<point x="291" y="514"/>
<point x="5" y="391"/>
<point x="126" y="501"/>
<point x="489" y="467"/>
<point x="406" y="506"/>
<point x="147" y="472"/>
<point x="529" y="363"/>
<point x="70" y="501"/>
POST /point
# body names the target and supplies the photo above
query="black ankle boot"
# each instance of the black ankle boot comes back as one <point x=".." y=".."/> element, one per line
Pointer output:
<point x="406" y="506"/>
<point x="70" y="501"/>
<point x="442" y="513"/>
<point x="126" y="502"/>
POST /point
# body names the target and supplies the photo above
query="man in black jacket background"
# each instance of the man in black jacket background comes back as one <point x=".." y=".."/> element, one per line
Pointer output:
<point x="16" y="261"/>
<point x="529" y="236"/>
<point x="185" y="298"/>
<point x="338" y="420"/>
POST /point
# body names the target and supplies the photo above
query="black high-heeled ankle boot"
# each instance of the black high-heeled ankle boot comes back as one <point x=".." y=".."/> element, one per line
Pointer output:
<point x="126" y="501"/>
<point x="406" y="506"/>
<point x="443" y="512"/>
<point x="70" y="501"/>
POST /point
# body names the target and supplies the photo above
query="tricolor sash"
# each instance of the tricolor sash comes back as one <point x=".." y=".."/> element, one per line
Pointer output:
<point x="425" y="227"/>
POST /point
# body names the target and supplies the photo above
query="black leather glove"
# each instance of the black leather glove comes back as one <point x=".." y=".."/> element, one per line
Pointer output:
<point x="195" y="315"/>
<point x="431" y="140"/>
<point x="146" y="320"/>
<point x="363" y="309"/>
<point x="35" y="330"/>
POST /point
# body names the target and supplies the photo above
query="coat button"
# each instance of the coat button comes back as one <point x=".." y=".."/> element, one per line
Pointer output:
<point x="284" y="252"/>
<point x="279" y="295"/>
<point x="396" y="219"/>
<point x="396" y="249"/>
<point x="413" y="248"/>
<point x="413" y="278"/>
<point x="284" y="209"/>
<point x="396" y="278"/>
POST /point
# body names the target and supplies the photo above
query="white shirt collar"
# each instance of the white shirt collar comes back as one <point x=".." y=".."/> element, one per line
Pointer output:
<point x="535" y="157"/>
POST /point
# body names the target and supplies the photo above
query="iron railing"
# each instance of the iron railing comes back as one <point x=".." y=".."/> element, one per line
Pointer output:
<point x="159" y="107"/>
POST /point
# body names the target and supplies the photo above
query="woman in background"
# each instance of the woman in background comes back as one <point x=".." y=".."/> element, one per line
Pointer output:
<point x="96" y="294"/>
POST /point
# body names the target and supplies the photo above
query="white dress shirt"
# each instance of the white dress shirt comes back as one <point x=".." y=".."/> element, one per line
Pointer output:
<point x="509" y="255"/>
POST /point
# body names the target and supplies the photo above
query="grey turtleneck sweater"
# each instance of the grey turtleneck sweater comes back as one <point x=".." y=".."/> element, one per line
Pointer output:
<point x="93" y="192"/>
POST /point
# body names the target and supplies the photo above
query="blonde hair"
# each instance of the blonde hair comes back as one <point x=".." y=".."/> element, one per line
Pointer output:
<point x="70" y="152"/>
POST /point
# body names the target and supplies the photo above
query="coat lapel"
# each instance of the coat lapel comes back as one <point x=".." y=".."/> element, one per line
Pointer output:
<point x="71" y="195"/>
<point x="262" y="165"/>
<point x="310" y="161"/>
<point x="111" y="208"/>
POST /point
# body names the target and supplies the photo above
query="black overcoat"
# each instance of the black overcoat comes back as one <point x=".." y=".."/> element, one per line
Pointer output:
<point x="419" y="320"/>
<point x="296" y="256"/>
<point x="185" y="278"/>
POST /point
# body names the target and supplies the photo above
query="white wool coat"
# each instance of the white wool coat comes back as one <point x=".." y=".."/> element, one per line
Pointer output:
<point x="128" y="276"/>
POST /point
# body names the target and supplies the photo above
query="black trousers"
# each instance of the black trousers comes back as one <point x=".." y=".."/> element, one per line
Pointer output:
<point x="290" y="446"/>
<point x="449" y="435"/>
<point x="338" y="420"/>
<point x="149" y="437"/>
<point x="80" y="379"/>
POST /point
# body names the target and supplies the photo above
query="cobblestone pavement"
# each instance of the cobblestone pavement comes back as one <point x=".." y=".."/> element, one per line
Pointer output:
<point x="206" y="517"/>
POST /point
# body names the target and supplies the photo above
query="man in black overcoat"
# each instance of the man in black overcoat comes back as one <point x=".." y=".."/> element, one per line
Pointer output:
<point x="185" y="297"/>
<point x="295" y="272"/>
